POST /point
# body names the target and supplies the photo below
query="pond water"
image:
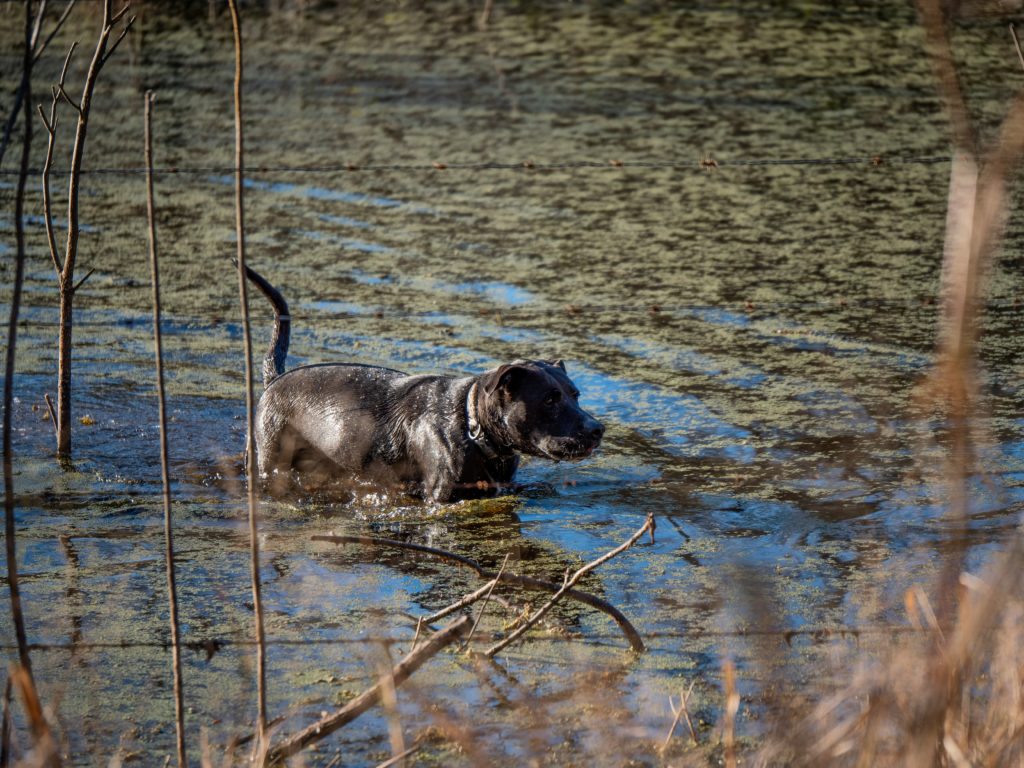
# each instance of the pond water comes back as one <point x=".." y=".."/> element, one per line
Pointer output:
<point x="751" y="334"/>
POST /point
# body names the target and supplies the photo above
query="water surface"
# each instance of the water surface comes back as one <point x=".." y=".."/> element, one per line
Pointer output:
<point x="750" y="334"/>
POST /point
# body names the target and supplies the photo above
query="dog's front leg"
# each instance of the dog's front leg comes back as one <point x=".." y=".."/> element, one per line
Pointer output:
<point x="434" y="456"/>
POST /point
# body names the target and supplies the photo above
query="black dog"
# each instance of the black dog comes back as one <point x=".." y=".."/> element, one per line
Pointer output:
<point x="439" y="437"/>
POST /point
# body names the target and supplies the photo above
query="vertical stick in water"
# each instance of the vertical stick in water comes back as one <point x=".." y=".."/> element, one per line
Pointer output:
<point x="49" y="755"/>
<point x="172" y="592"/>
<point x="12" y="337"/>
<point x="250" y="443"/>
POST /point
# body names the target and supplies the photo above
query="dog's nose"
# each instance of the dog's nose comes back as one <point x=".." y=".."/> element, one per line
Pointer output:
<point x="597" y="432"/>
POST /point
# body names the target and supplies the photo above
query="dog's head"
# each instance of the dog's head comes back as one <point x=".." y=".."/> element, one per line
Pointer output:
<point x="532" y="406"/>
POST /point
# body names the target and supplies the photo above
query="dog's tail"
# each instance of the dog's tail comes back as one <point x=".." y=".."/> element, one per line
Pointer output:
<point x="273" y="361"/>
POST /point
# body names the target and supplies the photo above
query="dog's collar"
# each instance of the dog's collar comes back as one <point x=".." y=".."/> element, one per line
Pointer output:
<point x="476" y="430"/>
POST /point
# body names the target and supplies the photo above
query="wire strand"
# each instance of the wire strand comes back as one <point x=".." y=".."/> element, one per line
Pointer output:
<point x="706" y="164"/>
<point x="212" y="645"/>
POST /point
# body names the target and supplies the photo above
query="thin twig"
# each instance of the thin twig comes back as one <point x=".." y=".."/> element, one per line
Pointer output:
<point x="120" y="37"/>
<point x="416" y="637"/>
<point x="68" y="99"/>
<point x="485" y="16"/>
<point x="683" y="710"/>
<point x="51" y="238"/>
<point x="80" y="282"/>
<point x="67" y="61"/>
<point x="463" y="602"/>
<point x="172" y="592"/>
<point x="250" y="400"/>
<point x="570" y="581"/>
<point x="120" y="14"/>
<point x="37" y="27"/>
<point x="417" y="745"/>
<point x="1016" y="43"/>
<point x="635" y="641"/>
<point x="399" y="674"/>
<point x="49" y="408"/>
<point x="389" y="701"/>
<point x="23" y="93"/>
<point x="487" y="597"/>
<point x="56" y="28"/>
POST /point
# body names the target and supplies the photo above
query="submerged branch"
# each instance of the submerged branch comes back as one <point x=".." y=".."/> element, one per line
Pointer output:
<point x="399" y="674"/>
<point x="635" y="641"/>
<point x="569" y="583"/>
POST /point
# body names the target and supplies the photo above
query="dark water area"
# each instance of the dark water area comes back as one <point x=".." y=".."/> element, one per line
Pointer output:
<point x="751" y="334"/>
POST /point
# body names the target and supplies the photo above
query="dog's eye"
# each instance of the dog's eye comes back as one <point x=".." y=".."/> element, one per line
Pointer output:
<point x="553" y="397"/>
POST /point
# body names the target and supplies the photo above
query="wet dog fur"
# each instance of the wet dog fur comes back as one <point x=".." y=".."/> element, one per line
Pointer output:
<point x="439" y="437"/>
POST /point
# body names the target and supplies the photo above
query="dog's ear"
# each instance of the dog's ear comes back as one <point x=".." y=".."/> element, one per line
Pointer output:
<point x="503" y="377"/>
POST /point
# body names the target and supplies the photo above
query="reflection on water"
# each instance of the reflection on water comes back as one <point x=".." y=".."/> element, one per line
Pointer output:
<point x="751" y="337"/>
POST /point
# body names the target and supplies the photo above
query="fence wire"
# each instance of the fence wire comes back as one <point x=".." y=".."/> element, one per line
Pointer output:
<point x="212" y="645"/>
<point x="706" y="163"/>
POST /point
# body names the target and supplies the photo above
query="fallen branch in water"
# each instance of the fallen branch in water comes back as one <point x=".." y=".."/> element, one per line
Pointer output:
<point x="399" y="674"/>
<point x="635" y="641"/>
<point x="487" y="597"/>
<point x="568" y="584"/>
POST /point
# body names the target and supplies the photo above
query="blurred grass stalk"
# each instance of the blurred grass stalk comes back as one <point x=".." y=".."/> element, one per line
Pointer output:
<point x="954" y="694"/>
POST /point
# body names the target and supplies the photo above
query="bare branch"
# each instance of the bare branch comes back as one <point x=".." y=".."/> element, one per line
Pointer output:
<point x="397" y="759"/>
<point x="79" y="283"/>
<point x="467" y="600"/>
<point x="569" y="582"/>
<point x="64" y="94"/>
<point x="1016" y="43"/>
<point x="42" y="116"/>
<point x="55" y="30"/>
<point x="635" y="641"/>
<point x="679" y="713"/>
<point x="67" y="60"/>
<point x="483" y="607"/>
<point x="118" y="16"/>
<point x="36" y="28"/>
<point x="127" y="28"/>
<point x="398" y="675"/>
<point x="51" y="128"/>
<point x="49" y="408"/>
